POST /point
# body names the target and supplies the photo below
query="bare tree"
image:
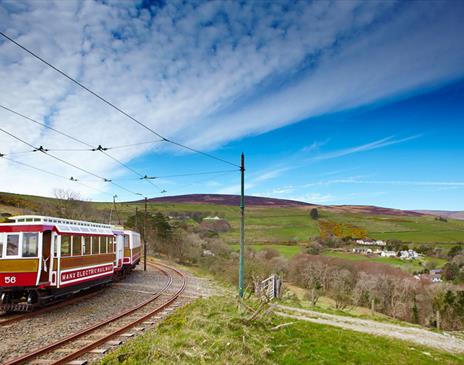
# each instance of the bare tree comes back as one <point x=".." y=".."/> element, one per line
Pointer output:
<point x="342" y="283"/>
<point x="316" y="276"/>
<point x="72" y="205"/>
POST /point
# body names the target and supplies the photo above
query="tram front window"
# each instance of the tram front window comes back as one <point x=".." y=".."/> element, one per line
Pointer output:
<point x="30" y="244"/>
<point x="12" y="245"/>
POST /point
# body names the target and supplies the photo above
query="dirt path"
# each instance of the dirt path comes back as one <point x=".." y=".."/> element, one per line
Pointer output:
<point x="419" y="336"/>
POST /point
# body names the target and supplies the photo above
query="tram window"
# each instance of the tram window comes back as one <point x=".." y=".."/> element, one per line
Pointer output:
<point x="103" y="248"/>
<point x="95" y="248"/>
<point x="87" y="245"/>
<point x="65" y="246"/>
<point x="126" y="241"/>
<point x="55" y="246"/>
<point x="30" y="244"/>
<point x="1" y="245"/>
<point x="76" y="245"/>
<point x="12" y="245"/>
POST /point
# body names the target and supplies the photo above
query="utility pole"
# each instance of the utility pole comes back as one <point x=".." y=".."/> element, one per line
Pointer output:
<point x="145" y="237"/>
<point x="112" y="207"/>
<point x="242" y="227"/>
<point x="137" y="218"/>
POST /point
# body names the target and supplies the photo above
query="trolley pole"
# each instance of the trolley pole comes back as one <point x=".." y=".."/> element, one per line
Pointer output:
<point x="137" y="218"/>
<point x="145" y="237"/>
<point x="242" y="227"/>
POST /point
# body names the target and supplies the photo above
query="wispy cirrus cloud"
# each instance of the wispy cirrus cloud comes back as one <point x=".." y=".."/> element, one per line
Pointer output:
<point x="381" y="143"/>
<point x="315" y="146"/>
<point x="362" y="180"/>
<point x="207" y="73"/>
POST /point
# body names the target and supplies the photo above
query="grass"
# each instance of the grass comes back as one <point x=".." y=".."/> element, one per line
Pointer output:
<point x="297" y="298"/>
<point x="276" y="225"/>
<point x="409" y="266"/>
<point x="284" y="250"/>
<point x="423" y="229"/>
<point x="211" y="331"/>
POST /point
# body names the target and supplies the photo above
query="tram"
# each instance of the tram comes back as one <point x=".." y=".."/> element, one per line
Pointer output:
<point x="44" y="258"/>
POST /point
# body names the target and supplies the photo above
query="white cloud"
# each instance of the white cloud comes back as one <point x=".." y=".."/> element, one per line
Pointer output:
<point x="315" y="146"/>
<point x="388" y="141"/>
<point x="360" y="180"/>
<point x="207" y="73"/>
<point x="314" y="198"/>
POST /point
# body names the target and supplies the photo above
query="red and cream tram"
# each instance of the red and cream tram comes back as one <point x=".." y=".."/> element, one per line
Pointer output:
<point x="132" y="249"/>
<point x="45" y="258"/>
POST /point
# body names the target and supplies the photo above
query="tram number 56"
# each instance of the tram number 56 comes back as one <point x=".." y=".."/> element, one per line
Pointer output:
<point x="10" y="279"/>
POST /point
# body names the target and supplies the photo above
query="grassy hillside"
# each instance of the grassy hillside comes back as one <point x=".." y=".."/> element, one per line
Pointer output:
<point x="210" y="331"/>
<point x="285" y="224"/>
<point x="410" y="266"/>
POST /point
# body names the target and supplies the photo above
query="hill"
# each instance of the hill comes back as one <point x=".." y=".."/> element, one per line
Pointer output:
<point x="256" y="201"/>
<point x="225" y="199"/>
<point x="444" y="213"/>
<point x="268" y="220"/>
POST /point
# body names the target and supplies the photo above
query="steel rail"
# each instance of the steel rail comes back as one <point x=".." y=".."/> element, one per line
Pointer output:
<point x="106" y="338"/>
<point x="52" y="306"/>
<point x="68" y="339"/>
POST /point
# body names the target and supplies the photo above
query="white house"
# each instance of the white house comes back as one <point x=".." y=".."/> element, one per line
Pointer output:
<point x="371" y="243"/>
<point x="362" y="250"/>
<point x="408" y="255"/>
<point x="388" y="254"/>
<point x="216" y="218"/>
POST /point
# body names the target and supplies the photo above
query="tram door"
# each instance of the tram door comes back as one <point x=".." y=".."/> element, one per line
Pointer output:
<point x="46" y="253"/>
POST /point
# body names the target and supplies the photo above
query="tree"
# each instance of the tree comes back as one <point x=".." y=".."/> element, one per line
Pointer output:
<point x="315" y="277"/>
<point x="455" y="250"/>
<point x="162" y="227"/>
<point x="71" y="205"/>
<point x="342" y="282"/>
<point x="314" y="248"/>
<point x="451" y="271"/>
<point x="314" y="213"/>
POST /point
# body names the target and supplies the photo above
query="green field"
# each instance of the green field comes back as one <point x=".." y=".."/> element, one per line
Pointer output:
<point x="423" y="229"/>
<point x="211" y="331"/>
<point x="410" y="266"/>
<point x="278" y="225"/>
<point x="284" y="250"/>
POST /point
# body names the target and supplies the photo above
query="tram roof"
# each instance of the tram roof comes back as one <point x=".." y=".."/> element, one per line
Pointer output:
<point x="65" y="225"/>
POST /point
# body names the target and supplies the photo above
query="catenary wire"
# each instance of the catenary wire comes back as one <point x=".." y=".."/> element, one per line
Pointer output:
<point x="68" y="163"/>
<point x="113" y="105"/>
<point x="91" y="148"/>
<point x="51" y="173"/>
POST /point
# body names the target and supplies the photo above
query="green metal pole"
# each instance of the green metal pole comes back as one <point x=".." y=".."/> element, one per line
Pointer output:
<point x="145" y="237"/>
<point x="242" y="228"/>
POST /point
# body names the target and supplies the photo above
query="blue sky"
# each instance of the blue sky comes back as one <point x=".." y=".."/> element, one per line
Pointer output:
<point x="343" y="102"/>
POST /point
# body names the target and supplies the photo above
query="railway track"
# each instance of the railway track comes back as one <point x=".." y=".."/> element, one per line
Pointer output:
<point x="82" y="343"/>
<point x="7" y="319"/>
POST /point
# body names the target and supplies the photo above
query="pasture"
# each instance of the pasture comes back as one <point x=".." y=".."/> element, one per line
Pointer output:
<point x="409" y="266"/>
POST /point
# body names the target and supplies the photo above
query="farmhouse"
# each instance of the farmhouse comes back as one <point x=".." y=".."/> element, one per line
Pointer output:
<point x="216" y="218"/>
<point x="371" y="243"/>
<point x="388" y="254"/>
<point x="409" y="255"/>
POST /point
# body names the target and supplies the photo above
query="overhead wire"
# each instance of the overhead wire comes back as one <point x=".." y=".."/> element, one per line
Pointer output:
<point x="114" y="106"/>
<point x="91" y="148"/>
<point x="202" y="180"/>
<point x="181" y="175"/>
<point x="44" y="151"/>
<point x="134" y="144"/>
<point x="50" y="173"/>
<point x="104" y="151"/>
